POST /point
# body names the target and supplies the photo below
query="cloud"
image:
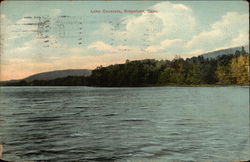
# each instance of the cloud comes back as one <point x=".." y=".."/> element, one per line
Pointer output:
<point x="178" y="20"/>
<point x="11" y="31"/>
<point x="100" y="46"/>
<point x="159" y="35"/>
<point x="193" y="53"/>
<point x="3" y="28"/>
<point x="165" y="44"/>
<point x="31" y="58"/>
<point x="20" y="29"/>
<point x="241" y="39"/>
<point x="173" y="21"/>
<point x="181" y="7"/>
<point x="230" y="30"/>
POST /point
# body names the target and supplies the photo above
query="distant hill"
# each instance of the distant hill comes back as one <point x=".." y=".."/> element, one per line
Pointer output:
<point x="58" y="74"/>
<point x="8" y="81"/>
<point x="227" y="51"/>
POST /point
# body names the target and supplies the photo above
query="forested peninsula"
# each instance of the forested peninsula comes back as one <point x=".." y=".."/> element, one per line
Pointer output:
<point x="196" y="71"/>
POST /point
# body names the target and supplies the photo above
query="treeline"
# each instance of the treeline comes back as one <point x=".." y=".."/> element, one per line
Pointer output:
<point x="224" y="70"/>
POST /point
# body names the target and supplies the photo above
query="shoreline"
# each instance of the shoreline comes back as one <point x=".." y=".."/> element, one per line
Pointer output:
<point x="146" y="86"/>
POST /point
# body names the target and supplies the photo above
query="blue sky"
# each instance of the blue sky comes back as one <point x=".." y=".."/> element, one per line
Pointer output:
<point x="87" y="40"/>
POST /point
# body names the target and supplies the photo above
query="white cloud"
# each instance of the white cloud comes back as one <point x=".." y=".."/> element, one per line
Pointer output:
<point x="34" y="51"/>
<point x="181" y="7"/>
<point x="178" y="20"/>
<point x="160" y="35"/>
<point x="20" y="28"/>
<point x="193" y="53"/>
<point x="3" y="28"/>
<point x="101" y="46"/>
<point x="227" y="32"/>
<point x="175" y="43"/>
<point x="173" y="21"/>
<point x="12" y="31"/>
<point x="242" y="39"/>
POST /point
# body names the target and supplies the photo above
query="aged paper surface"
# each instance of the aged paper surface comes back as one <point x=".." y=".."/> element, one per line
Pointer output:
<point x="124" y="81"/>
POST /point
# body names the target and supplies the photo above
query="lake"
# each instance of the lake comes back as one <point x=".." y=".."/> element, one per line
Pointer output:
<point x="125" y="124"/>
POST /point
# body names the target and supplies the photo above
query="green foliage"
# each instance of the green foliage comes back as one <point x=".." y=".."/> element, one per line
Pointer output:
<point x="166" y="76"/>
<point x="239" y="69"/>
<point x="234" y="70"/>
<point x="194" y="74"/>
<point x="225" y="69"/>
<point x="223" y="74"/>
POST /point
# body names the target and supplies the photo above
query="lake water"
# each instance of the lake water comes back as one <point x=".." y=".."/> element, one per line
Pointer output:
<point x="125" y="124"/>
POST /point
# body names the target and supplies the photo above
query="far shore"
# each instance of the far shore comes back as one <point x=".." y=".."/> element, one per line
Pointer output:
<point x="145" y="86"/>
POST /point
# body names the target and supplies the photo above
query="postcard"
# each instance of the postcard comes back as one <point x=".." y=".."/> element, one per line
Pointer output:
<point x="124" y="81"/>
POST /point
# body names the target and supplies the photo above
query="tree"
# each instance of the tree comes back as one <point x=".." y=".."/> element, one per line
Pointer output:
<point x="166" y="76"/>
<point x="223" y="74"/>
<point x="239" y="69"/>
